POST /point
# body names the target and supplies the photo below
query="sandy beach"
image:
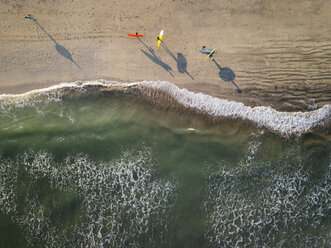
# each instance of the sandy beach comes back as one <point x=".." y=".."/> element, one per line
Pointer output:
<point x="108" y="140"/>
<point x="277" y="53"/>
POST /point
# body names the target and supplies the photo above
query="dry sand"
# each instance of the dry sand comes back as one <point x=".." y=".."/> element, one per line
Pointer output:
<point x="277" y="52"/>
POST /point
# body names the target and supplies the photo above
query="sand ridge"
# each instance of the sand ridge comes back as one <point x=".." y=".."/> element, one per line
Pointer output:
<point x="277" y="53"/>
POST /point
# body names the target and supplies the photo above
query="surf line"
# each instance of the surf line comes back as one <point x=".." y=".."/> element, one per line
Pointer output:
<point x="285" y="123"/>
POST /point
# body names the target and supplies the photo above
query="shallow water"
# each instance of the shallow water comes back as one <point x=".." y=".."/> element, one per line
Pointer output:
<point x="106" y="169"/>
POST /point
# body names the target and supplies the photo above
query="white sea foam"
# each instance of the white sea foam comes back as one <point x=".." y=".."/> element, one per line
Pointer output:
<point x="283" y="122"/>
<point x="119" y="201"/>
<point x="268" y="205"/>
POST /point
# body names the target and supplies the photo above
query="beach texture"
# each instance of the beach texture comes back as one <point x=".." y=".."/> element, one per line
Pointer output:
<point x="276" y="53"/>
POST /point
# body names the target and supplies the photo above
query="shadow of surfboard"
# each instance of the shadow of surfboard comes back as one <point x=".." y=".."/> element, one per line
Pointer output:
<point x="157" y="60"/>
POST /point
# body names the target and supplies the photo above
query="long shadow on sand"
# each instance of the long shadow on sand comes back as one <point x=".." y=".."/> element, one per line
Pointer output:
<point x="180" y="60"/>
<point x="155" y="58"/>
<point x="227" y="75"/>
<point x="59" y="48"/>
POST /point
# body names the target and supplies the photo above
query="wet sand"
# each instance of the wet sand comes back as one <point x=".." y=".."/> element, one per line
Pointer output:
<point x="277" y="53"/>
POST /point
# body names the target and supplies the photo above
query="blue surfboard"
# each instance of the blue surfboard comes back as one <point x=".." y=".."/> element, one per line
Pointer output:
<point x="207" y="51"/>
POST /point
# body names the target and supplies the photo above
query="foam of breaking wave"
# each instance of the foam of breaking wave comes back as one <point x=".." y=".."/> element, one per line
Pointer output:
<point x="275" y="204"/>
<point x="7" y="102"/>
<point x="253" y="146"/>
<point x="283" y="122"/>
<point x="120" y="200"/>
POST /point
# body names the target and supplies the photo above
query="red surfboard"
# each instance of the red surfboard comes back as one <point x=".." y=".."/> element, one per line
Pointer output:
<point x="135" y="35"/>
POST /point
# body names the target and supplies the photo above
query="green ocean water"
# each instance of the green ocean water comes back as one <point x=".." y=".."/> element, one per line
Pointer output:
<point x="109" y="170"/>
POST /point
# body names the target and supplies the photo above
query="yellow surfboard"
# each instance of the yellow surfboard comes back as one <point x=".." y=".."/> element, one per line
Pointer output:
<point x="210" y="54"/>
<point x="160" y="38"/>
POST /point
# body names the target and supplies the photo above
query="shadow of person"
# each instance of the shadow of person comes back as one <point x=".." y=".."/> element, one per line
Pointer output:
<point x="227" y="74"/>
<point x="182" y="65"/>
<point x="180" y="60"/>
<point x="152" y="56"/>
<point x="59" y="48"/>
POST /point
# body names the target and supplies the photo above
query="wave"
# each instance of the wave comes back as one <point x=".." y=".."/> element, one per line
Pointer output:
<point x="165" y="93"/>
<point x="263" y="205"/>
<point x="105" y="195"/>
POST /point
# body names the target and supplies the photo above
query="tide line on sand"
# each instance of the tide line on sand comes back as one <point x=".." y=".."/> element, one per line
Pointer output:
<point x="285" y="123"/>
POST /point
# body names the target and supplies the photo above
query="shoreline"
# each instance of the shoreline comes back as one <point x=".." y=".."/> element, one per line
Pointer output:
<point x="277" y="54"/>
<point x="167" y="95"/>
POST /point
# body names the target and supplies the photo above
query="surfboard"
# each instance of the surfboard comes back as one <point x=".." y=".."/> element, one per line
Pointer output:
<point x="206" y="51"/>
<point x="135" y="35"/>
<point x="160" y="38"/>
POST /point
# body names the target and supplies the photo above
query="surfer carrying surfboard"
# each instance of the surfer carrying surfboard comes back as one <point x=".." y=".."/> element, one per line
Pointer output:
<point x="29" y="16"/>
<point x="209" y="52"/>
<point x="159" y="38"/>
<point x="137" y="35"/>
